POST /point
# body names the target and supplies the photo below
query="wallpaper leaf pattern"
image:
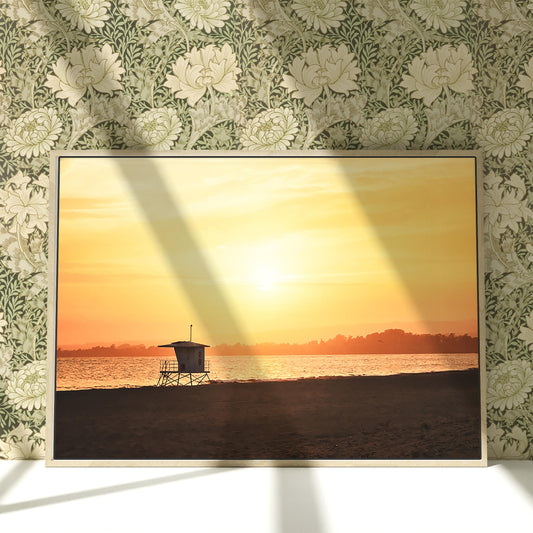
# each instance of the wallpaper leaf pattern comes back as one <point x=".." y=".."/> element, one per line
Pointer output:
<point x="263" y="75"/>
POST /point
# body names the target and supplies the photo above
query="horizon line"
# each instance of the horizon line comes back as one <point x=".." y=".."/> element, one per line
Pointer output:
<point x="88" y="346"/>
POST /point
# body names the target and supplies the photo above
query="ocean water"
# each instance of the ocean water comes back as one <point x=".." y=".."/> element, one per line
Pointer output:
<point x="75" y="373"/>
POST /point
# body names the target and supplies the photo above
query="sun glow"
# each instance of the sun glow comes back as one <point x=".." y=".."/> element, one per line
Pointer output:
<point x="266" y="278"/>
<point x="291" y="250"/>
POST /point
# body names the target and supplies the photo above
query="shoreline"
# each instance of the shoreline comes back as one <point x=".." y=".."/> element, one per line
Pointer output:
<point x="286" y="380"/>
<point x="433" y="415"/>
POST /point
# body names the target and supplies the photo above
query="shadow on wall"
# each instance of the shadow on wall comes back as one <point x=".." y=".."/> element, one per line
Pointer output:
<point x="216" y="316"/>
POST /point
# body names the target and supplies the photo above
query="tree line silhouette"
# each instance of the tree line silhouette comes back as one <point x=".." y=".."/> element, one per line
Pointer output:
<point x="387" y="342"/>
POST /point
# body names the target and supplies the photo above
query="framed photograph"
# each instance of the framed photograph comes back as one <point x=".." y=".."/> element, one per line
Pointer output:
<point x="291" y="308"/>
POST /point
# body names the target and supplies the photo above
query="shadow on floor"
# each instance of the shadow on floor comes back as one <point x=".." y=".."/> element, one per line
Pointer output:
<point x="522" y="476"/>
<point x="23" y="467"/>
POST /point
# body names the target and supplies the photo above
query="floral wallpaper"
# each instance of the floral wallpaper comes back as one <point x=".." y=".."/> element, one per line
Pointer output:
<point x="256" y="75"/>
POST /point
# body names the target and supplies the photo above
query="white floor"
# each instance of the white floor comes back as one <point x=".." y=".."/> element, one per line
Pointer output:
<point x="256" y="500"/>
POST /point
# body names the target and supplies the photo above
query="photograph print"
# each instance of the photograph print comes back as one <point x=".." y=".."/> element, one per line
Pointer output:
<point x="300" y="308"/>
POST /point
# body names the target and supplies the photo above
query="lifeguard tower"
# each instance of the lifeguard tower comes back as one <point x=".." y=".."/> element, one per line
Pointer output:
<point x="190" y="367"/>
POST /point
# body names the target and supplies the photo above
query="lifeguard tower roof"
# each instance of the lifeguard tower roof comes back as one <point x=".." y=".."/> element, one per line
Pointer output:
<point x="183" y="344"/>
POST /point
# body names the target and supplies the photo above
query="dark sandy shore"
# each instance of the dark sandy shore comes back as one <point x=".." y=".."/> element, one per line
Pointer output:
<point x="411" y="416"/>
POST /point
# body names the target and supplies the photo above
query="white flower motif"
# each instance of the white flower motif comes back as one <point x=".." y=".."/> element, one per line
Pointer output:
<point x="505" y="207"/>
<point x="256" y="11"/>
<point x="24" y="332"/>
<point x="392" y="128"/>
<point x="152" y="17"/>
<point x="6" y="353"/>
<point x="529" y="248"/>
<point x="526" y="82"/>
<point x="24" y="207"/>
<point x="437" y="69"/>
<point x="320" y="14"/>
<point x="203" y="69"/>
<point x="80" y="70"/>
<point x="33" y="133"/>
<point x="3" y="323"/>
<point x="143" y="11"/>
<point x="512" y="445"/>
<point x="506" y="132"/>
<point x="16" y="258"/>
<point x="17" y="180"/>
<point x="502" y="13"/>
<point x="156" y="129"/>
<point x="509" y="384"/>
<point x="84" y="14"/>
<point x="5" y="105"/>
<point x="19" y="446"/>
<point x="31" y="17"/>
<point x="526" y="332"/>
<point x="27" y="388"/>
<point x="320" y="69"/>
<point x="440" y="14"/>
<point x="273" y="129"/>
<point x="204" y="14"/>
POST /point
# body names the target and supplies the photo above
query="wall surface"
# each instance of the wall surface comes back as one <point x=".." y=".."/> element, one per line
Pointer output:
<point x="266" y="74"/>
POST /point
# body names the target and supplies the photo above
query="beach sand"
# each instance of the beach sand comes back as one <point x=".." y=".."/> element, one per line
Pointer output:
<point x="408" y="416"/>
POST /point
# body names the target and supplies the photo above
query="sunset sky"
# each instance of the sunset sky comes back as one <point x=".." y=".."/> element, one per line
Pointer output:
<point x="253" y="249"/>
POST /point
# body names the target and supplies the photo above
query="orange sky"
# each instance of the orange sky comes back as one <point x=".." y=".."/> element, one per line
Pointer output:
<point x="251" y="250"/>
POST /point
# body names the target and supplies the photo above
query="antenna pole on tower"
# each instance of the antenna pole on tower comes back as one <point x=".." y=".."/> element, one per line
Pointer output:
<point x="190" y="335"/>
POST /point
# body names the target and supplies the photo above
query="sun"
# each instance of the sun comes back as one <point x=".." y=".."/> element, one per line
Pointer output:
<point x="266" y="278"/>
